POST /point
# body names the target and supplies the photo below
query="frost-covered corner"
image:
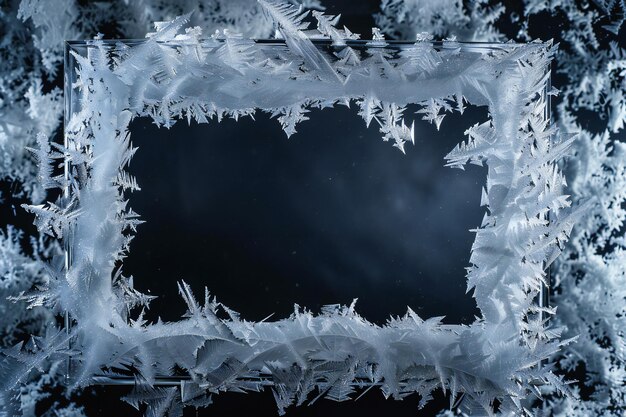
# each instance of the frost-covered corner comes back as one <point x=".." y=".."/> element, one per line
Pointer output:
<point x="175" y="74"/>
<point x="589" y="286"/>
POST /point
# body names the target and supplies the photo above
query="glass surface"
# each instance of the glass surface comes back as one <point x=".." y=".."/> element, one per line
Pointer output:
<point x="331" y="214"/>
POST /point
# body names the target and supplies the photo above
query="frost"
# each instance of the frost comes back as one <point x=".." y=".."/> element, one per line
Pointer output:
<point x="237" y="16"/>
<point x="590" y="274"/>
<point x="408" y="19"/>
<point x="306" y="356"/>
<point x="326" y="26"/>
<point x="54" y="23"/>
<point x="31" y="53"/>
<point x="18" y="273"/>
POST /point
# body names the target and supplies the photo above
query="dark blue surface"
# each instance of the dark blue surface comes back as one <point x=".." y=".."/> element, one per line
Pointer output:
<point x="332" y="214"/>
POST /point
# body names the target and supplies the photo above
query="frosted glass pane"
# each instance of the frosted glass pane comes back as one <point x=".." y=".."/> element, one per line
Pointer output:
<point x="326" y="216"/>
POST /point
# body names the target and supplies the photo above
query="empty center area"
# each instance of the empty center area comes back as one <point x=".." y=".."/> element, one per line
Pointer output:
<point x="332" y="214"/>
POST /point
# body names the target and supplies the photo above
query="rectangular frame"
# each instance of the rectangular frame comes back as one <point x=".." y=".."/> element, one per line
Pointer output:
<point x="168" y="76"/>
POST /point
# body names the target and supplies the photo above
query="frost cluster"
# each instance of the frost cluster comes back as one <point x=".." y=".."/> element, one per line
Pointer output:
<point x="176" y="74"/>
<point x="590" y="276"/>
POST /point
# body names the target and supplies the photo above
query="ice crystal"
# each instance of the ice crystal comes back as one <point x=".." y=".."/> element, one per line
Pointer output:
<point x="408" y="19"/>
<point x="307" y="356"/>
<point x="590" y="276"/>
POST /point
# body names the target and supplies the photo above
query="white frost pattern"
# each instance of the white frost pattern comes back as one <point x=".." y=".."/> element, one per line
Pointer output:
<point x="170" y="76"/>
<point x="589" y="286"/>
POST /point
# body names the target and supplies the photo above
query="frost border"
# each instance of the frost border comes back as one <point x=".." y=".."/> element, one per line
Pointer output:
<point x="167" y="76"/>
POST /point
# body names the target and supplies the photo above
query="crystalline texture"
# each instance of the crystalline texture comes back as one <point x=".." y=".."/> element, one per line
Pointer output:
<point x="173" y="75"/>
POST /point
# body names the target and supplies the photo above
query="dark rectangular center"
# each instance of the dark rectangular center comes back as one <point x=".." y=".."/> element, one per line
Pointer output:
<point x="329" y="215"/>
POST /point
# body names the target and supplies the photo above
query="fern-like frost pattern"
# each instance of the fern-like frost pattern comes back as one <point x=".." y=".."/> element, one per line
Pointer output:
<point x="176" y="74"/>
